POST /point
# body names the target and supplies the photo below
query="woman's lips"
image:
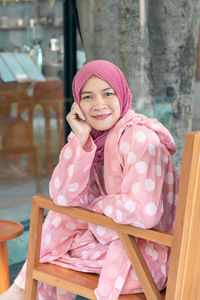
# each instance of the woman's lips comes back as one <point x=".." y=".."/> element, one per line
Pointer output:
<point x="101" y="117"/>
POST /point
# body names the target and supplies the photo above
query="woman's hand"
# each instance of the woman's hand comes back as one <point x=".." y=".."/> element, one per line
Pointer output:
<point x="76" y="120"/>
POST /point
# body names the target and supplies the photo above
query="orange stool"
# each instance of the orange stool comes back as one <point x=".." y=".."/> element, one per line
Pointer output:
<point x="8" y="230"/>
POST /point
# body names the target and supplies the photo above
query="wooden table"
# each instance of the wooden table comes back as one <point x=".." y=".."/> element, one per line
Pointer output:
<point x="8" y="230"/>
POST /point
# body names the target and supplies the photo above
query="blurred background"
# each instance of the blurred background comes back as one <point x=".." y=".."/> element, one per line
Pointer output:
<point x="42" y="45"/>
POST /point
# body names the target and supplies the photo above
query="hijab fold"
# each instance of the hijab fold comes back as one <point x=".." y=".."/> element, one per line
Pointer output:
<point x="110" y="73"/>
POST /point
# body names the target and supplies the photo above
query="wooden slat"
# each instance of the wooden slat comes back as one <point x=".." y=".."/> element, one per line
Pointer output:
<point x="184" y="271"/>
<point x="72" y="281"/>
<point x="33" y="250"/>
<point x="67" y="279"/>
<point x="142" y="271"/>
<point x="93" y="217"/>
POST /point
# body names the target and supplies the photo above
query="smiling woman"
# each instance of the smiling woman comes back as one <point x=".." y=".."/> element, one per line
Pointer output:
<point x="117" y="163"/>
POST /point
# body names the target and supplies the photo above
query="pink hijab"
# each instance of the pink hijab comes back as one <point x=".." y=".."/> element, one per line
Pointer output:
<point x="110" y="73"/>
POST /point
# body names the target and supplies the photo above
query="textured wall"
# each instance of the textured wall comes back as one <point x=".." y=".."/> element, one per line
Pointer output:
<point x="154" y="43"/>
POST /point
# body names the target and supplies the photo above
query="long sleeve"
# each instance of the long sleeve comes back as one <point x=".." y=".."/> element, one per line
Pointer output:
<point x="145" y="171"/>
<point x="69" y="183"/>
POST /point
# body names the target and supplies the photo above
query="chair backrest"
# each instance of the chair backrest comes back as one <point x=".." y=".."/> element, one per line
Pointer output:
<point x="184" y="271"/>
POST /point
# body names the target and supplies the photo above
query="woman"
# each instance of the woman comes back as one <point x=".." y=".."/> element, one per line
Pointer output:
<point x="118" y="163"/>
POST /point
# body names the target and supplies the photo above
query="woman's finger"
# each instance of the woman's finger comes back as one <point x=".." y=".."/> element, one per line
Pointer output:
<point x="76" y="110"/>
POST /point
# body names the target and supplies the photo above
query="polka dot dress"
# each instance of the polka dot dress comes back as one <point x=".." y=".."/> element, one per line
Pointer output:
<point x="139" y="187"/>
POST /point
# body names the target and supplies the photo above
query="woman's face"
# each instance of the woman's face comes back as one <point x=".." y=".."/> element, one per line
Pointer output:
<point x="99" y="104"/>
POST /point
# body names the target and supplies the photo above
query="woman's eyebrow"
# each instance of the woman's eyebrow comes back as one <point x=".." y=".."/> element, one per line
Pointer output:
<point x="86" y="92"/>
<point x="109" y="88"/>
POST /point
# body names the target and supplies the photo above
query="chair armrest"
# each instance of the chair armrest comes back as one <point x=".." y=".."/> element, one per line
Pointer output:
<point x="98" y="219"/>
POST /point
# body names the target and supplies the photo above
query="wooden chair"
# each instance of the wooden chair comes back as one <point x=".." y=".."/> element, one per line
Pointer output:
<point x="17" y="140"/>
<point x="184" y="271"/>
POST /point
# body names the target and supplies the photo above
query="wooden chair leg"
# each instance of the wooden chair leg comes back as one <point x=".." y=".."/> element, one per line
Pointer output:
<point x="142" y="271"/>
<point x="33" y="250"/>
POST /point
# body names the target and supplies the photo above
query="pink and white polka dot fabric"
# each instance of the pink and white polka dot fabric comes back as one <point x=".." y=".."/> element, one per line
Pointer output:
<point x="139" y="187"/>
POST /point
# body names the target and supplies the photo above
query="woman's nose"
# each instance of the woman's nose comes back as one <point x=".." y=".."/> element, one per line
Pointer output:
<point x="99" y="102"/>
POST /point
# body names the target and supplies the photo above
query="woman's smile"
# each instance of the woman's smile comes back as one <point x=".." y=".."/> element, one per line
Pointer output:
<point x="102" y="116"/>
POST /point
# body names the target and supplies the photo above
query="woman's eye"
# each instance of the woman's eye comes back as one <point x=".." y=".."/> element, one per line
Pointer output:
<point x="108" y="94"/>
<point x="87" y="97"/>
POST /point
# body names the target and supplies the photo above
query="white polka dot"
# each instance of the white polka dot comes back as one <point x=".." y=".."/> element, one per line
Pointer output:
<point x="158" y="170"/>
<point x="119" y="282"/>
<point x="61" y="291"/>
<point x="102" y="242"/>
<point x="50" y="193"/>
<point x="91" y="197"/>
<point x="140" y="136"/>
<point x="170" y="197"/>
<point x="115" y="237"/>
<point x="165" y="158"/>
<point x="82" y="201"/>
<point x="101" y="230"/>
<point x="163" y="269"/>
<point x="150" y="209"/>
<point x="63" y="239"/>
<point x="175" y="199"/>
<point x="155" y="126"/>
<point x="78" y="152"/>
<point x="68" y="153"/>
<point x="41" y="297"/>
<point x="131" y="158"/>
<point x="130" y="205"/>
<point x="151" y="252"/>
<point x="155" y="137"/>
<point x="47" y="239"/>
<point x="133" y="275"/>
<point x="61" y="200"/>
<point x="84" y="254"/>
<point x="70" y="170"/>
<point x="169" y="178"/>
<point x="141" y="167"/>
<point x="120" y="132"/>
<point x="57" y="183"/>
<point x="96" y="255"/>
<point x="81" y="221"/>
<point x="124" y="147"/>
<point x="100" y="204"/>
<point x="70" y="226"/>
<point x="92" y="245"/>
<point x="108" y="210"/>
<point x="149" y="185"/>
<point x="138" y="224"/>
<point x="119" y="215"/>
<point x="56" y="221"/>
<point x="73" y="187"/>
<point x="152" y="149"/>
<point x="135" y="188"/>
<point x="86" y="168"/>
